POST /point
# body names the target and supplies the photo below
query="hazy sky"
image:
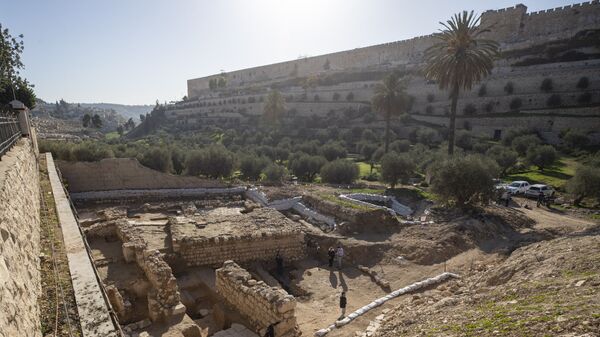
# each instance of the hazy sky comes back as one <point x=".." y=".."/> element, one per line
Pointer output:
<point x="137" y="51"/>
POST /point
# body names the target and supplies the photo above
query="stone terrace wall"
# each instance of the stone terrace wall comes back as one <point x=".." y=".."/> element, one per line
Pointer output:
<point x="245" y="248"/>
<point x="260" y="304"/>
<point x="163" y="299"/>
<point x="19" y="242"/>
<point x="123" y="173"/>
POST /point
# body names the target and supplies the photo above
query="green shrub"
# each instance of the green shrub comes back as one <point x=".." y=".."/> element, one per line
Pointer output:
<point x="464" y="140"/>
<point x="215" y="162"/>
<point x="333" y="151"/>
<point x="251" y="166"/>
<point x="306" y="167"/>
<point x="554" y="100"/>
<point x="90" y="151"/>
<point x="396" y="168"/>
<point x="464" y="180"/>
<point x="339" y="171"/>
<point x="157" y="158"/>
<point x="547" y="85"/>
<point x="522" y="143"/>
<point x="509" y="88"/>
<point x="541" y="156"/>
<point x="350" y="97"/>
<point x="504" y="157"/>
<point x="585" y="183"/>
<point x="576" y="139"/>
<point x="274" y="173"/>
<point x="400" y="146"/>
<point x="515" y="104"/>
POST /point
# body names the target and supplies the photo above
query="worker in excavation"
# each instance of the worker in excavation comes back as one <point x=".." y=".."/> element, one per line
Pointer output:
<point x="279" y="261"/>
<point x="343" y="303"/>
<point x="331" y="254"/>
<point x="339" y="255"/>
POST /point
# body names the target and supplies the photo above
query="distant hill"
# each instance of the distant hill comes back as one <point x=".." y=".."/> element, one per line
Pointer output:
<point x="127" y="111"/>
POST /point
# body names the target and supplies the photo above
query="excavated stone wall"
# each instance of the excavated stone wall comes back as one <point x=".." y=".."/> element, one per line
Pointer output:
<point x="261" y="304"/>
<point x="214" y="251"/>
<point x="163" y="298"/>
<point x="19" y="242"/>
<point x="354" y="220"/>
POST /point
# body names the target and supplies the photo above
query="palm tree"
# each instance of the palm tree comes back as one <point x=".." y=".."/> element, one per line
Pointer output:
<point x="459" y="60"/>
<point x="274" y="107"/>
<point x="389" y="99"/>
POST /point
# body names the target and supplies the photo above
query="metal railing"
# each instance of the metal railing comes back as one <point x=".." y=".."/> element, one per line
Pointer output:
<point x="9" y="131"/>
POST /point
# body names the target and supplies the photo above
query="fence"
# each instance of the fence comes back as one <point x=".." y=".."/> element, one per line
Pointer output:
<point x="9" y="131"/>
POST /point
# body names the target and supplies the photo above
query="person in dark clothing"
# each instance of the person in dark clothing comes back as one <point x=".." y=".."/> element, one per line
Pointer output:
<point x="331" y="254"/>
<point x="540" y="199"/>
<point x="343" y="303"/>
<point x="279" y="261"/>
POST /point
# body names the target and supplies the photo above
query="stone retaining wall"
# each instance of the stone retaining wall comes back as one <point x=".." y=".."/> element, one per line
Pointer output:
<point x="19" y="242"/>
<point x="260" y="304"/>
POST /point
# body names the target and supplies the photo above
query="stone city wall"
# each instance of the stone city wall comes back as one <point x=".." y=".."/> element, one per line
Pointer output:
<point x="261" y="304"/>
<point x="526" y="82"/>
<point x="245" y="248"/>
<point x="124" y="173"/>
<point x="509" y="26"/>
<point x="19" y="242"/>
<point x="163" y="298"/>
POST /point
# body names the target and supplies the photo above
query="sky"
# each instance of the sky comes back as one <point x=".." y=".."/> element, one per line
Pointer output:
<point x="140" y="51"/>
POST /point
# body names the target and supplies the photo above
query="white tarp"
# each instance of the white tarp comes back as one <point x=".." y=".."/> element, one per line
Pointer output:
<point x="366" y="199"/>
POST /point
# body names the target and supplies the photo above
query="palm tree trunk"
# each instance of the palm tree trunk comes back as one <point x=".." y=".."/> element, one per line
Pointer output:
<point x="387" y="130"/>
<point x="452" y="126"/>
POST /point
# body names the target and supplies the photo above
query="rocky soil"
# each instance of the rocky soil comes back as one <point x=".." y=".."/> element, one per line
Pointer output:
<point x="548" y="287"/>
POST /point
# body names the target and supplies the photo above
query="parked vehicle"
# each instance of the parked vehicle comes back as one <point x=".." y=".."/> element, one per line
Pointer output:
<point x="535" y="190"/>
<point x="518" y="187"/>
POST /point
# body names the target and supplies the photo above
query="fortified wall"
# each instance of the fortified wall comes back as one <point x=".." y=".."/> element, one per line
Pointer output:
<point x="19" y="241"/>
<point x="260" y="304"/>
<point x="512" y="27"/>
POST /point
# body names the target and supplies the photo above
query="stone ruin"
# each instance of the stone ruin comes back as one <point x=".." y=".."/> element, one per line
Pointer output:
<point x="261" y="304"/>
<point x="242" y="237"/>
<point x="163" y="297"/>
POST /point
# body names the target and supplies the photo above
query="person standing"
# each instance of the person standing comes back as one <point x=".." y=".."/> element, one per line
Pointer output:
<point x="279" y="261"/>
<point x="331" y="254"/>
<point x="343" y="303"/>
<point x="339" y="255"/>
<point x="540" y="199"/>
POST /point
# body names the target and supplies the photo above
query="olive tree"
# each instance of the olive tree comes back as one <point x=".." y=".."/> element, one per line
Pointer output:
<point x="464" y="180"/>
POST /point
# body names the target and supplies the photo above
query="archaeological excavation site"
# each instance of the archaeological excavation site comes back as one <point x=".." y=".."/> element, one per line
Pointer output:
<point x="113" y="248"/>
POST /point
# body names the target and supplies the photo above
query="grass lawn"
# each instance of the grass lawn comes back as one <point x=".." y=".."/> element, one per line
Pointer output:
<point x="556" y="175"/>
<point x="111" y="135"/>
<point x="365" y="169"/>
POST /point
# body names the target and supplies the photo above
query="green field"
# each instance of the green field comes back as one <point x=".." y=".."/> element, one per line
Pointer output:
<point x="556" y="175"/>
<point x="365" y="169"/>
<point x="111" y="135"/>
